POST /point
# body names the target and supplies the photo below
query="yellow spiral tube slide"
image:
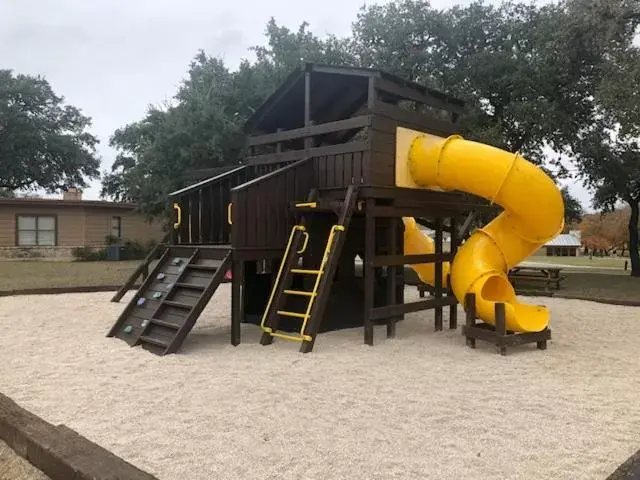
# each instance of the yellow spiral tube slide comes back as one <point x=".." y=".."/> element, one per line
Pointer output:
<point x="533" y="214"/>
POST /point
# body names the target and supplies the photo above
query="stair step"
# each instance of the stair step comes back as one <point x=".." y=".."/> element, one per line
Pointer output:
<point x="285" y="313"/>
<point x="162" y="323"/>
<point x="153" y="341"/>
<point x="305" y="271"/>
<point x="172" y="303"/>
<point x="205" y="268"/>
<point x="191" y="286"/>
<point x="301" y="293"/>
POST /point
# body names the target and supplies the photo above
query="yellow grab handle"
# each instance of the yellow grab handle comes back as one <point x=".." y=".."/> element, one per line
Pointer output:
<point x="306" y="240"/>
<point x="229" y="213"/>
<point x="177" y="208"/>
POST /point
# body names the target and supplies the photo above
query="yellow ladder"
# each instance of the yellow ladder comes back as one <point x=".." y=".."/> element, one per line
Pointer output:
<point x="312" y="295"/>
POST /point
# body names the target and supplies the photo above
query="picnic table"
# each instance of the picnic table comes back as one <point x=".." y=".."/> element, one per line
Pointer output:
<point x="549" y="276"/>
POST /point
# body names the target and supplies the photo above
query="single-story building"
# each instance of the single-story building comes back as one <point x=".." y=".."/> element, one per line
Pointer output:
<point x="52" y="228"/>
<point x="564" y="245"/>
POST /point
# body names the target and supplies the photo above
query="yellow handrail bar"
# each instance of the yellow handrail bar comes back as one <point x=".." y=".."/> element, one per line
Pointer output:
<point x="314" y="292"/>
<point x="229" y="214"/>
<point x="277" y="282"/>
<point x="176" y="207"/>
<point x="304" y="245"/>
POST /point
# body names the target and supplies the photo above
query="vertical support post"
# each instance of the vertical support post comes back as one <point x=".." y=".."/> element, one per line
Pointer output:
<point x="371" y="94"/>
<point x="279" y="144"/>
<point x="501" y="328"/>
<point x="236" y="301"/>
<point x="470" y="309"/>
<point x="307" y="108"/>
<point x="369" y="270"/>
<point x="453" y="237"/>
<point x="391" y="275"/>
<point x="400" y="268"/>
<point x="438" y="275"/>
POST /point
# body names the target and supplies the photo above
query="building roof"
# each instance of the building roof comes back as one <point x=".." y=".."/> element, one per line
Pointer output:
<point x="54" y="202"/>
<point x="333" y="86"/>
<point x="564" y="240"/>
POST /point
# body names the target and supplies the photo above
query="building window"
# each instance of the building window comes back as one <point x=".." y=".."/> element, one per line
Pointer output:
<point x="36" y="230"/>
<point x="116" y="227"/>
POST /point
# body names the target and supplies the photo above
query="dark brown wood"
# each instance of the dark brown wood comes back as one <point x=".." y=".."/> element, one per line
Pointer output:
<point x="401" y="259"/>
<point x="326" y="280"/>
<point x="143" y="269"/>
<point x="294" y="155"/>
<point x="369" y="270"/>
<point x="58" y="451"/>
<point x="453" y="242"/>
<point x="392" y="275"/>
<point x="236" y="302"/>
<point x="470" y="310"/>
<point x="126" y="312"/>
<point x="391" y="310"/>
<point x="498" y="334"/>
<point x="311" y="130"/>
<point x="273" y="319"/>
<point x="426" y="123"/>
<point x="438" y="275"/>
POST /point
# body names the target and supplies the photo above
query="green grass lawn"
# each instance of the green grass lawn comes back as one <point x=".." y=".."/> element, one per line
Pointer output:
<point x="595" y="262"/>
<point x="587" y="283"/>
<point x="23" y="274"/>
<point x="600" y="286"/>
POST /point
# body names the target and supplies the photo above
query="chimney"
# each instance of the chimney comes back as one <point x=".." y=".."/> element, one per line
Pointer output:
<point x="72" y="193"/>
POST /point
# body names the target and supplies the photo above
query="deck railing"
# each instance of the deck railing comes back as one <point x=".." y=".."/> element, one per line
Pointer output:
<point x="260" y="212"/>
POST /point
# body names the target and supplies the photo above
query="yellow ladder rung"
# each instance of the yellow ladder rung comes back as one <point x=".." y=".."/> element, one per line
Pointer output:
<point x="300" y="292"/>
<point x="306" y="272"/>
<point x="307" y="204"/>
<point x="284" y="313"/>
<point x="295" y="338"/>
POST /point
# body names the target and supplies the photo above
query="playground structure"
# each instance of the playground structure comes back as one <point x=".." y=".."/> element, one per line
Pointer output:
<point x="345" y="162"/>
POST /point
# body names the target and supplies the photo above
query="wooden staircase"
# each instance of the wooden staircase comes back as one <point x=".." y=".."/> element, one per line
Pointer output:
<point x="322" y="276"/>
<point x="170" y="300"/>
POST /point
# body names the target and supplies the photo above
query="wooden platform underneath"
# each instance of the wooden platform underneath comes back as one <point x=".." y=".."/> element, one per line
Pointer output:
<point x="498" y="334"/>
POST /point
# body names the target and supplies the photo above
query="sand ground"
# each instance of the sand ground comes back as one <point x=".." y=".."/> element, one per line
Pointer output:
<point x="421" y="406"/>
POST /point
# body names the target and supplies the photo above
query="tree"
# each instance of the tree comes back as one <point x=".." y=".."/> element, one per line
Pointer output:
<point x="44" y="144"/>
<point x="508" y="62"/>
<point x="607" y="151"/>
<point x="572" y="208"/>
<point x="202" y="127"/>
<point x="606" y="231"/>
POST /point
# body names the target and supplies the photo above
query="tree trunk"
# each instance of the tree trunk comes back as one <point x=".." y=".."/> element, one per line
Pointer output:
<point x="634" y="255"/>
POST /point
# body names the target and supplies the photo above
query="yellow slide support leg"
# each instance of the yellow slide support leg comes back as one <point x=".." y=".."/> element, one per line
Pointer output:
<point x="533" y="214"/>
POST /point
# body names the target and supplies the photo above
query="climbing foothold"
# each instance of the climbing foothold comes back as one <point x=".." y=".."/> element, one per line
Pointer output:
<point x="141" y="301"/>
<point x="176" y="261"/>
<point x="157" y="295"/>
<point x="128" y="329"/>
<point x="144" y="323"/>
<point x="160" y="276"/>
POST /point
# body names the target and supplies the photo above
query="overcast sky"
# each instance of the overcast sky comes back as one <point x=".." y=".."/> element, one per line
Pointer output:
<point x="112" y="58"/>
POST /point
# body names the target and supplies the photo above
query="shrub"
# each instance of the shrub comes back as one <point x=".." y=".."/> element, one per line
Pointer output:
<point x="89" y="254"/>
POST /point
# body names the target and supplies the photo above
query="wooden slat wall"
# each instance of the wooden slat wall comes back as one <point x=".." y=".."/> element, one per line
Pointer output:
<point x="340" y="170"/>
<point x="382" y="137"/>
<point x="261" y="217"/>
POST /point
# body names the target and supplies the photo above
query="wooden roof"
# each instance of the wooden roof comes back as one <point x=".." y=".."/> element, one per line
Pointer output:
<point x="336" y="92"/>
